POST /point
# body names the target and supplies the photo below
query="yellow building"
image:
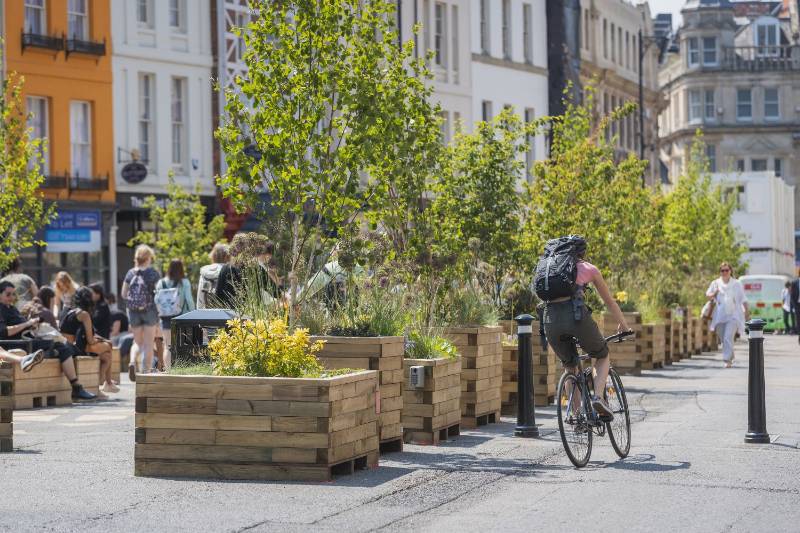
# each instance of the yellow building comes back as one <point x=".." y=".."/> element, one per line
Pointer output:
<point x="62" y="48"/>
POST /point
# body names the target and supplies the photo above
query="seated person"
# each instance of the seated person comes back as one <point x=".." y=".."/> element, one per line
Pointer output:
<point x="25" y="361"/>
<point x="13" y="324"/>
<point x="78" y="330"/>
<point x="101" y="314"/>
<point x="120" y="326"/>
<point x="41" y="307"/>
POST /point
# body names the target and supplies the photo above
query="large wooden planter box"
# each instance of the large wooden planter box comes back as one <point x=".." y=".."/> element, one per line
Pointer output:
<point x="432" y="413"/>
<point x="710" y="343"/>
<point x="6" y="407"/>
<point x="654" y="344"/>
<point x="677" y="343"/>
<point x="481" y="372"/>
<point x="116" y="365"/>
<point x="255" y="428"/>
<point x="384" y="354"/>
<point x="545" y="370"/>
<point x="697" y="330"/>
<point x="46" y="386"/>
<point x="627" y="357"/>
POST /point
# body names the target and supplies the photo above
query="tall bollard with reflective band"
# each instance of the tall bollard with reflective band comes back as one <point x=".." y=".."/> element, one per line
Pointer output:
<point x="526" y="417"/>
<point x="756" y="407"/>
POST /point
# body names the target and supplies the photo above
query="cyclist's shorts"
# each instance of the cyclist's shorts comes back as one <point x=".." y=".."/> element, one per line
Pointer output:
<point x="560" y="327"/>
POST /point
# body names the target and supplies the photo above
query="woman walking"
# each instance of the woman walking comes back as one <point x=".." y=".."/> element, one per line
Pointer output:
<point x="729" y="309"/>
<point x="173" y="298"/>
<point x="139" y="289"/>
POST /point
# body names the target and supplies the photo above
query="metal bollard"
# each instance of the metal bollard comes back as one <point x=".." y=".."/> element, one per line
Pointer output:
<point x="756" y="407"/>
<point x="526" y="417"/>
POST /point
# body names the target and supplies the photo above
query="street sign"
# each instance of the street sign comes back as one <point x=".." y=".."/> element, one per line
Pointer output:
<point x="134" y="172"/>
<point x="74" y="231"/>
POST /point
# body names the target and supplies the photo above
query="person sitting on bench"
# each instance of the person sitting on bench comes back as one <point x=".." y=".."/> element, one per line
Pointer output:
<point x="25" y="360"/>
<point x="13" y="324"/>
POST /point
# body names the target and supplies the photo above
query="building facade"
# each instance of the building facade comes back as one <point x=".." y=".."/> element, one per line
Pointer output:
<point x="610" y="52"/>
<point x="509" y="63"/>
<point x="61" y="47"/>
<point x="736" y="77"/>
<point x="162" y="65"/>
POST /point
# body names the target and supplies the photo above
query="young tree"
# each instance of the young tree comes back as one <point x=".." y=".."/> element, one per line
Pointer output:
<point x="181" y="229"/>
<point x="478" y="200"/>
<point x="326" y="94"/>
<point x="22" y="204"/>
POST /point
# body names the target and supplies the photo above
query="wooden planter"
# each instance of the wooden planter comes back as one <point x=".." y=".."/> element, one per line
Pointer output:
<point x="710" y="343"/>
<point x="432" y="413"/>
<point x="545" y="372"/>
<point x="384" y="354"/>
<point x="627" y="357"/>
<point x="6" y="407"/>
<point x="654" y="344"/>
<point x="46" y="386"/>
<point x="509" y="327"/>
<point x="481" y="372"/>
<point x="223" y="427"/>
<point x="116" y="365"/>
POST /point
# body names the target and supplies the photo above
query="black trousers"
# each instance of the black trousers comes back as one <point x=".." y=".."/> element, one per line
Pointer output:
<point x="789" y="324"/>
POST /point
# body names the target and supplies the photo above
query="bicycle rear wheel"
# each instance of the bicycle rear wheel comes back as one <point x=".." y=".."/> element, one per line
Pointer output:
<point x="573" y="421"/>
<point x="619" y="429"/>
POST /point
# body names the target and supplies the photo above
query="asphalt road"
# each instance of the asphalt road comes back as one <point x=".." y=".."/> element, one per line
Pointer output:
<point x="689" y="470"/>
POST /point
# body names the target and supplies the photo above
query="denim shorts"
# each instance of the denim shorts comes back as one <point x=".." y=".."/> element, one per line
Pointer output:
<point x="148" y="317"/>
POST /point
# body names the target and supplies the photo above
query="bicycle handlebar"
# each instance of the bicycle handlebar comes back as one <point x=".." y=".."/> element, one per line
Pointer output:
<point x="619" y="337"/>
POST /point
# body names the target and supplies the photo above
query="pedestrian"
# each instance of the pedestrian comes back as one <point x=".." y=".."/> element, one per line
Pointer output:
<point x="173" y="298"/>
<point x="251" y="255"/>
<point x="24" y="285"/>
<point x="65" y="288"/>
<point x="78" y="330"/>
<point x="788" y="309"/>
<point x="795" y="294"/>
<point x="730" y="301"/>
<point x="138" y="289"/>
<point x="101" y="314"/>
<point x="41" y="307"/>
<point x="209" y="276"/>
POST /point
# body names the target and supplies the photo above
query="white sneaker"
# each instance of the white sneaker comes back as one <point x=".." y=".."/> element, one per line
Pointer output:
<point x="108" y="387"/>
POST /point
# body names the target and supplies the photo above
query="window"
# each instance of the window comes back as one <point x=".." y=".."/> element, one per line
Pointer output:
<point x="693" y="52"/>
<point x="627" y="50"/>
<point x="145" y="116"/>
<point x="80" y="138"/>
<point x="439" y="35"/>
<point x="486" y="111"/>
<point x="767" y="38"/>
<point x="744" y="104"/>
<point x="740" y="165"/>
<point x="711" y="154"/>
<point x="735" y="194"/>
<point x="454" y="26"/>
<point x="530" y="153"/>
<point x="178" y="100"/>
<point x="613" y="44"/>
<point x="771" y="104"/>
<point x="144" y="13"/>
<point x="38" y="123"/>
<point x="78" y="20"/>
<point x="758" y="165"/>
<point x="695" y="106"/>
<point x="778" y="167"/>
<point x="507" y="29"/>
<point x="619" y="45"/>
<point x="444" y="126"/>
<point x="605" y="39"/>
<point x="177" y="14"/>
<point x="709" y="51"/>
<point x="485" y="37"/>
<point x="241" y="19"/>
<point x="635" y="52"/>
<point x="710" y="108"/>
<point x="527" y="33"/>
<point x="35" y="17"/>
<point x="586" y="17"/>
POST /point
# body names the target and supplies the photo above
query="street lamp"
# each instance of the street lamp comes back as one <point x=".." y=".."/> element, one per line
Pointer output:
<point x="644" y="43"/>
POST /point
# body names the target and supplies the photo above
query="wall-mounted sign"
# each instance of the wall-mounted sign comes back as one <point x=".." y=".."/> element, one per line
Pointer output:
<point x="74" y="231"/>
<point x="134" y="172"/>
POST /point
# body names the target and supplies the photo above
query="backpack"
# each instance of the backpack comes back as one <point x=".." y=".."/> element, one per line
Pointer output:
<point x="139" y="295"/>
<point x="169" y="300"/>
<point x="557" y="269"/>
<point x="208" y="285"/>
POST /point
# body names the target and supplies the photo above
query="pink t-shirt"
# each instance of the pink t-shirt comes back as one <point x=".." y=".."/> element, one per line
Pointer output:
<point x="587" y="273"/>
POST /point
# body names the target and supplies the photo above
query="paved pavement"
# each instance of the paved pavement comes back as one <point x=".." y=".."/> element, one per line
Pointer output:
<point x="689" y="470"/>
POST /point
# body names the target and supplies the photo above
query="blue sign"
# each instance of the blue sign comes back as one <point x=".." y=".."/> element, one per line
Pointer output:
<point x="74" y="231"/>
<point x="74" y="220"/>
<point x="67" y="235"/>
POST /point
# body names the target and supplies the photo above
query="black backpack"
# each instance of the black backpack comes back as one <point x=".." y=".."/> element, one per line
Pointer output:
<point x="557" y="269"/>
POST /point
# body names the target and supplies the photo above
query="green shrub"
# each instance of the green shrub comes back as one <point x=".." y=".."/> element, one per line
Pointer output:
<point x="422" y="345"/>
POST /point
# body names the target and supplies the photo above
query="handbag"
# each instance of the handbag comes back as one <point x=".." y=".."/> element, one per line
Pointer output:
<point x="708" y="309"/>
<point x="46" y="332"/>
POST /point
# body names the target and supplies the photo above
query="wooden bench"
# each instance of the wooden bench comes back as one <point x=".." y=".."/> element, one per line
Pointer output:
<point x="46" y="385"/>
<point x="6" y="407"/>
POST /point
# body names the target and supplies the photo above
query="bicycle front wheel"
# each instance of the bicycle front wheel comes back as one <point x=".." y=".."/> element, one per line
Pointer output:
<point x="619" y="429"/>
<point x="573" y="421"/>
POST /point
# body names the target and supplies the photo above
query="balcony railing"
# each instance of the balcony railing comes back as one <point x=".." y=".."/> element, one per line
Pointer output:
<point x="54" y="182"/>
<point x="94" y="183"/>
<point x="761" y="58"/>
<point x="79" y="46"/>
<point x="36" y="40"/>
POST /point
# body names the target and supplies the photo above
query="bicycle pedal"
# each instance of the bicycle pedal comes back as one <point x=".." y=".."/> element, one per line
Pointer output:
<point x="605" y="418"/>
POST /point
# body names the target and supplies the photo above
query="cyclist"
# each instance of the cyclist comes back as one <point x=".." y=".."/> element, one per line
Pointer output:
<point x="569" y="317"/>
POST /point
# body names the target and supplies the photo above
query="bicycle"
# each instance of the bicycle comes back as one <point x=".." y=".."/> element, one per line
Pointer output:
<point x="578" y="422"/>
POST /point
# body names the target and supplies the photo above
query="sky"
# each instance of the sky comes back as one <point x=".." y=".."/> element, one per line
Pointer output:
<point x="668" y="6"/>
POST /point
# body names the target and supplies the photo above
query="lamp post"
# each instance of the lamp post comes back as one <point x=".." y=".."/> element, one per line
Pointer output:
<point x="644" y="43"/>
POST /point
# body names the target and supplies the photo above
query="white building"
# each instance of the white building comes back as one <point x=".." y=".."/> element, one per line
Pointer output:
<point x="509" y="62"/>
<point x="162" y="104"/>
<point x="765" y="215"/>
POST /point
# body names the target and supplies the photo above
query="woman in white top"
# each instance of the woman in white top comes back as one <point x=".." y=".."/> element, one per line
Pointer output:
<point x="731" y="304"/>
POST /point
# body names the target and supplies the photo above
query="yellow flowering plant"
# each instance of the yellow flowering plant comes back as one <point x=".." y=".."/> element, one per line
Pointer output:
<point x="265" y="348"/>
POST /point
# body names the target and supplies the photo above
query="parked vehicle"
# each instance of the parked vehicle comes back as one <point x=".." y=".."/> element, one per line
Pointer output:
<point x="764" y="296"/>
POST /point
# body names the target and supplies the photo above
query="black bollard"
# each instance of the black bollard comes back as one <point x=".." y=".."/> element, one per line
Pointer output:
<point x="756" y="407"/>
<point x="526" y="417"/>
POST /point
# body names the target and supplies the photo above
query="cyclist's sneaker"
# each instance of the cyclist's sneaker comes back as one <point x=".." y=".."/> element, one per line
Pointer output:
<point x="602" y="409"/>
